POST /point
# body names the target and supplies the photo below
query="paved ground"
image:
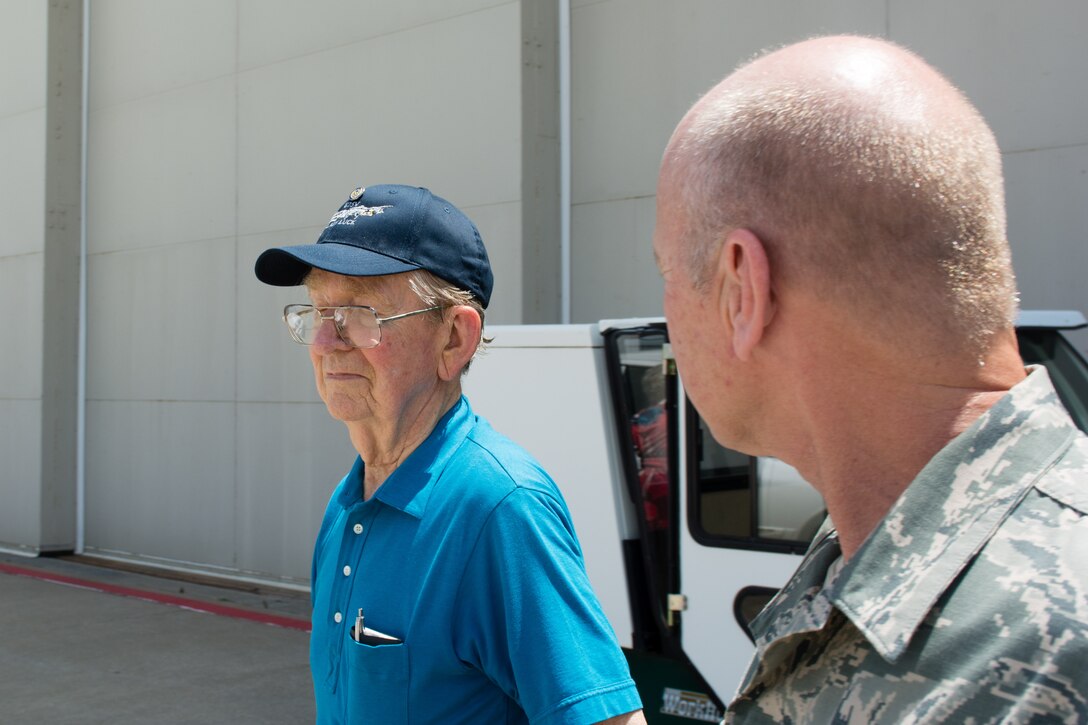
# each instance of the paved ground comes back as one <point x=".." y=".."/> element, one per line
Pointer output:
<point x="73" y="653"/>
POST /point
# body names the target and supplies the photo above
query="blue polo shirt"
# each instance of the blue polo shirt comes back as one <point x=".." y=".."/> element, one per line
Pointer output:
<point x="466" y="554"/>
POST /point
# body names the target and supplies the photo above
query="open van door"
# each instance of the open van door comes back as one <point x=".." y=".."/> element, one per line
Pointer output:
<point x="720" y="532"/>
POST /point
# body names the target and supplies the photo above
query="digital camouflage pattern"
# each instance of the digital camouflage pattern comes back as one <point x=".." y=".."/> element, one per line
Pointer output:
<point x="967" y="604"/>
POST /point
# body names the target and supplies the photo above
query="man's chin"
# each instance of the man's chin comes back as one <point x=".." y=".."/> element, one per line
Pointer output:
<point x="347" y="411"/>
<point x="736" y="438"/>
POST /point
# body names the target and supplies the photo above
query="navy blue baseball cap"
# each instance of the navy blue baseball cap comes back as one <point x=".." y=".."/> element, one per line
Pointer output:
<point x="389" y="229"/>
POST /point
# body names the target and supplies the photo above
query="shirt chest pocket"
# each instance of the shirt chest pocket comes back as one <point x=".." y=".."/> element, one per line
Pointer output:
<point x="377" y="683"/>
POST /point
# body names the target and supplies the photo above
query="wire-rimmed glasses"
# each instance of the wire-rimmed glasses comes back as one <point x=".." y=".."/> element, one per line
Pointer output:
<point x="357" y="325"/>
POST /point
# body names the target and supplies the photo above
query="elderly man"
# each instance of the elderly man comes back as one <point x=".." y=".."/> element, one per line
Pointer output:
<point x="448" y="586"/>
<point x="831" y="232"/>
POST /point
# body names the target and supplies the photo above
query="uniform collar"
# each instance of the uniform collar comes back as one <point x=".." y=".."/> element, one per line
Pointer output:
<point x="949" y="512"/>
<point x="409" y="487"/>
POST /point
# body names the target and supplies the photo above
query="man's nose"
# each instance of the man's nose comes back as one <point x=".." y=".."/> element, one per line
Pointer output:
<point x="328" y="339"/>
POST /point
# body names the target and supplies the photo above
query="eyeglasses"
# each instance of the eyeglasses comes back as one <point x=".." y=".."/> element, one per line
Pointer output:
<point x="356" y="325"/>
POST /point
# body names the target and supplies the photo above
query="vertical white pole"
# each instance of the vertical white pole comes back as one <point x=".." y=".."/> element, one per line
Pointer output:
<point x="564" y="160"/>
<point x="81" y="366"/>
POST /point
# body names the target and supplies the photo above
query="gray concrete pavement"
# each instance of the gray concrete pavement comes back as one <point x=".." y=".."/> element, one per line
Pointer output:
<point x="76" y="655"/>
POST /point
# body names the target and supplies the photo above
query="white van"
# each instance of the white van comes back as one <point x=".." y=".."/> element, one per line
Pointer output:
<point x="684" y="540"/>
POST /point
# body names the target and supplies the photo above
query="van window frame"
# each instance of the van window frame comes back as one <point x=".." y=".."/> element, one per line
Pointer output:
<point x="754" y="542"/>
<point x="654" y="632"/>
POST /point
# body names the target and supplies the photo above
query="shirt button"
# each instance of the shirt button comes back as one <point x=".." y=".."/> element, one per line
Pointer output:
<point x="338" y="617"/>
<point x="358" y="528"/>
<point x="347" y="571"/>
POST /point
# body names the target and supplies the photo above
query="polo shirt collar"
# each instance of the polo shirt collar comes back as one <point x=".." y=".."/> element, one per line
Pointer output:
<point x="350" y="491"/>
<point x="948" y="513"/>
<point x="409" y="487"/>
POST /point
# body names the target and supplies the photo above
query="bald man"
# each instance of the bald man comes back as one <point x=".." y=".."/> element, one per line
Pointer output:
<point x="831" y="233"/>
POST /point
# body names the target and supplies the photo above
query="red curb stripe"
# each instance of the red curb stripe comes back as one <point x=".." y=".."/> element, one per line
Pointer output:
<point x="173" y="601"/>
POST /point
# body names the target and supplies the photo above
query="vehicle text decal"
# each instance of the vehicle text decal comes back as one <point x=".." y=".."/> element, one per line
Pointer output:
<point x="692" y="705"/>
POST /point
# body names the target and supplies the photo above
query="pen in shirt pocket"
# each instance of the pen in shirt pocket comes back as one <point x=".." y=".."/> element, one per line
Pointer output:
<point x="365" y="635"/>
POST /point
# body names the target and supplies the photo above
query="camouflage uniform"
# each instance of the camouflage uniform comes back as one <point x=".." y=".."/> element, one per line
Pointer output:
<point x="968" y="603"/>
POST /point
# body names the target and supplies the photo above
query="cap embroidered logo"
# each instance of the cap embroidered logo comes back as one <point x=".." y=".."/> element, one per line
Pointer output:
<point x="348" y="216"/>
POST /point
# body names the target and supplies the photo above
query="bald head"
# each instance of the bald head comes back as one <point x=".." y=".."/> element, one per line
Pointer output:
<point x="869" y="178"/>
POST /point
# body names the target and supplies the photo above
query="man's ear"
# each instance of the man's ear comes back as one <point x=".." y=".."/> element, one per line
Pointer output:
<point x="463" y="326"/>
<point x="743" y="279"/>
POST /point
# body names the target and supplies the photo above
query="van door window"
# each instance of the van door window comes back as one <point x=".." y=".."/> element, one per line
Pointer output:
<point x="645" y="392"/>
<point x="747" y="501"/>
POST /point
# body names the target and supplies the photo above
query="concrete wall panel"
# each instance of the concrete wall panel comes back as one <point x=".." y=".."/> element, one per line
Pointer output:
<point x="381" y="111"/>
<point x="145" y="48"/>
<point x="161" y="323"/>
<point x="22" y="182"/>
<point x="613" y="273"/>
<point x="160" y="480"/>
<point x="290" y="458"/>
<point x="1022" y="65"/>
<point x="21" y="336"/>
<point x="22" y="56"/>
<point x="274" y="31"/>
<point x="20" y="480"/>
<point x="161" y="169"/>
<point x="1047" y="192"/>
<point x="23" y="85"/>
<point x="638" y="65"/>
